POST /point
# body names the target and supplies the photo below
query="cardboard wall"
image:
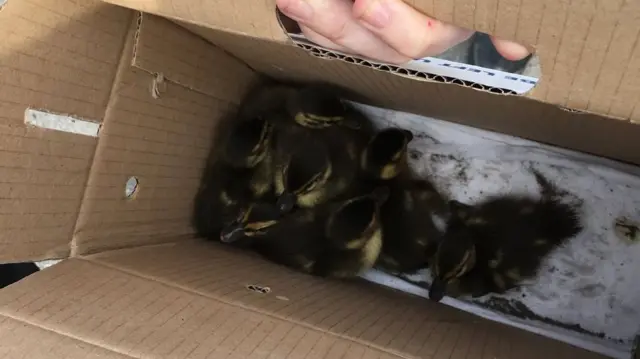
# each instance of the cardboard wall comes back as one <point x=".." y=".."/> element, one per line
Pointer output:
<point x="163" y="139"/>
<point x="61" y="57"/>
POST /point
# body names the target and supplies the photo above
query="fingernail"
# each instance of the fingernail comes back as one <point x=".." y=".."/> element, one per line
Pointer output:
<point x="377" y="14"/>
<point x="298" y="10"/>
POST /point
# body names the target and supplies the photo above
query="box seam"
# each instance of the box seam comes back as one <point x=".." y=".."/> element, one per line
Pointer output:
<point x="73" y="245"/>
<point x="242" y="306"/>
<point x="68" y="335"/>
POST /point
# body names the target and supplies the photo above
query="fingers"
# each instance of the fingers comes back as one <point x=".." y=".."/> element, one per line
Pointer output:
<point x="330" y="23"/>
<point x="510" y="50"/>
<point x="406" y="30"/>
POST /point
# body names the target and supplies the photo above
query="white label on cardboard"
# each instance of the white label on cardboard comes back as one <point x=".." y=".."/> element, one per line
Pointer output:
<point x="519" y="84"/>
<point x="62" y="123"/>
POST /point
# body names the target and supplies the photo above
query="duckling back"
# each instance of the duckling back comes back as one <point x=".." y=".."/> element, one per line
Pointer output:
<point x="513" y="235"/>
<point x="354" y="235"/>
<point x="411" y="236"/>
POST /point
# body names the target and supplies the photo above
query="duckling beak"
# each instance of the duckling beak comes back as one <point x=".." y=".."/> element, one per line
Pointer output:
<point x="286" y="202"/>
<point x="437" y="290"/>
<point x="231" y="234"/>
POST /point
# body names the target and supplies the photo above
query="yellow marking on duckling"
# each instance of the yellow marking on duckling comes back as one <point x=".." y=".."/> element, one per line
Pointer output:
<point x="514" y="274"/>
<point x="314" y="191"/>
<point x="226" y="199"/>
<point x="477" y="221"/>
<point x="460" y="269"/>
<point x="256" y="226"/>
<point x="278" y="179"/>
<point x="540" y="242"/>
<point x="499" y="281"/>
<point x="389" y="171"/>
<point x="371" y="251"/>
<point x="527" y="210"/>
<point x="494" y="263"/>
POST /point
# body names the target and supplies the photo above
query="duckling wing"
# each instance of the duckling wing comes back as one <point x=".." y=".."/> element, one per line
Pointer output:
<point x="411" y="237"/>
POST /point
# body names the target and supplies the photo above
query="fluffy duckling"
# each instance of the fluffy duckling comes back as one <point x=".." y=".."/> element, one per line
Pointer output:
<point x="410" y="232"/>
<point x="492" y="246"/>
<point x="295" y="240"/>
<point x="242" y="173"/>
<point x="334" y="240"/>
<point x="355" y="237"/>
<point x="316" y="166"/>
<point x="385" y="156"/>
<point x="412" y="236"/>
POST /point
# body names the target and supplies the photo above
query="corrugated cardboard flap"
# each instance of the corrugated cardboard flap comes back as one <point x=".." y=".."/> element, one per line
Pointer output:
<point x="172" y="54"/>
<point x="588" y="50"/>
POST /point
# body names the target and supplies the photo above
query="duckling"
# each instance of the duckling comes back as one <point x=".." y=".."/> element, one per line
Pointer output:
<point x="316" y="166"/>
<point x="410" y="232"/>
<point x="385" y="156"/>
<point x="355" y="237"/>
<point x="333" y="240"/>
<point x="243" y="172"/>
<point x="495" y="245"/>
<point x="294" y="240"/>
<point x="412" y="236"/>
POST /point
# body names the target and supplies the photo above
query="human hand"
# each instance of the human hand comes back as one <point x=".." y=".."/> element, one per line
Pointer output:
<point x="385" y="30"/>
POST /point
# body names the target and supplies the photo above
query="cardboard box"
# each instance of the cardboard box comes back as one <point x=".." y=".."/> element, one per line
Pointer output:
<point x="94" y="95"/>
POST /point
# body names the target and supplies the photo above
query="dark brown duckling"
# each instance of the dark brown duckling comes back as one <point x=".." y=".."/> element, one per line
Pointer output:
<point x="295" y="240"/>
<point x="316" y="166"/>
<point x="338" y="240"/>
<point x="493" y="246"/>
<point x="355" y="237"/>
<point x="385" y="156"/>
<point x="241" y="172"/>
<point x="410" y="232"/>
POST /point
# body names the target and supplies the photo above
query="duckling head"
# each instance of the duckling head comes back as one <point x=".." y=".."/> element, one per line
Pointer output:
<point x="385" y="152"/>
<point x="356" y="220"/>
<point x="301" y="179"/>
<point x="248" y="143"/>
<point x="253" y="221"/>
<point x="319" y="107"/>
<point x="456" y="253"/>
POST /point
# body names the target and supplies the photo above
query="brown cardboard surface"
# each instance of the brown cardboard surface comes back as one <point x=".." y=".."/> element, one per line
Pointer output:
<point x="586" y="48"/>
<point x="140" y="318"/>
<point x="396" y="322"/>
<point x="59" y="57"/>
<point x="17" y="338"/>
<point x="163" y="141"/>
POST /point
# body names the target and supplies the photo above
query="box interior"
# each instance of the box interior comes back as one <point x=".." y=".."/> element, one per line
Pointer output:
<point x="137" y="284"/>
